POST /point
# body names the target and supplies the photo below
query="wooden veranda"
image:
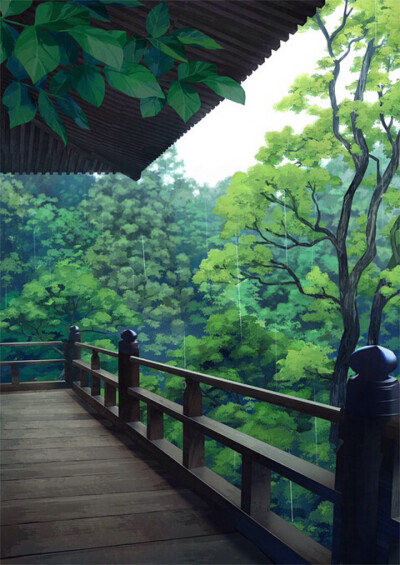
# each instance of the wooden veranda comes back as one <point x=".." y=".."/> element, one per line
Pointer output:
<point x="85" y="481"/>
<point x="75" y="491"/>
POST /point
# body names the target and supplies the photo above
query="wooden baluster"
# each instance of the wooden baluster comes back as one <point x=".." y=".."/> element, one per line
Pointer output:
<point x="84" y="378"/>
<point x="15" y="374"/>
<point x="359" y="529"/>
<point x="71" y="352"/>
<point x="256" y="488"/>
<point x="95" y="381"/>
<point x="193" y="440"/>
<point x="128" y="376"/>
<point x="110" y="395"/>
<point x="155" y="423"/>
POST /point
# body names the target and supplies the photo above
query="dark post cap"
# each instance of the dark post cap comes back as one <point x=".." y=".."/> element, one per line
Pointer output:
<point x="128" y="344"/>
<point x="372" y="392"/>
<point x="73" y="333"/>
<point x="128" y="336"/>
<point x="373" y="362"/>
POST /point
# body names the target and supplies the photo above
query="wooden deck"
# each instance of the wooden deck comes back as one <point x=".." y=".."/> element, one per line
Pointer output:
<point x="73" y="491"/>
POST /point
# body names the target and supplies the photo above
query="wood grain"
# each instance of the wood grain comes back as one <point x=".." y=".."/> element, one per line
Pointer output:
<point x="74" y="491"/>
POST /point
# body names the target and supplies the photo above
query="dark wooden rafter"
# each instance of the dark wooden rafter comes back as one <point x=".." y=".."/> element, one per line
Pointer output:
<point x="120" y="140"/>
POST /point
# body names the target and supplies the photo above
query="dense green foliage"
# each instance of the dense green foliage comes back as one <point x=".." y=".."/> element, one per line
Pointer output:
<point x="44" y="59"/>
<point x="244" y="281"/>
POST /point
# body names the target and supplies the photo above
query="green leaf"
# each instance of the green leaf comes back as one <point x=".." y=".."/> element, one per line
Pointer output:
<point x="150" y="107"/>
<point x="14" y="7"/>
<point x="131" y="3"/>
<point x="60" y="82"/>
<point x="15" y="67"/>
<point x="184" y="99"/>
<point x="94" y="7"/>
<point x="50" y="115"/>
<point x="68" y="48"/>
<point x="157" y="21"/>
<point x="170" y="46"/>
<point x="134" y="50"/>
<point x="104" y="45"/>
<point x="37" y="51"/>
<point x="226" y="87"/>
<point x="190" y="36"/>
<point x="157" y="61"/>
<point x="6" y="41"/>
<point x="194" y="71"/>
<point x="134" y="80"/>
<point x="20" y="106"/>
<point x="72" y="109"/>
<point x="89" y="83"/>
<point x="60" y="16"/>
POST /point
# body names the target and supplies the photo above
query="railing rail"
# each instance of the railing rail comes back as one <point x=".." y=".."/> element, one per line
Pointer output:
<point x="15" y="364"/>
<point x="109" y="352"/>
<point x="29" y="343"/>
<point x="309" y="407"/>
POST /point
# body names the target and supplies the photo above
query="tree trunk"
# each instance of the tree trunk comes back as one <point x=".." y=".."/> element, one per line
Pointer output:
<point x="347" y="345"/>
<point x="375" y="319"/>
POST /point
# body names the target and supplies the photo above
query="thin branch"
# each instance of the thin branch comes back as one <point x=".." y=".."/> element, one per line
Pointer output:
<point x="314" y="199"/>
<point x="378" y="167"/>
<point x="346" y="53"/>
<point x="346" y="14"/>
<point x="296" y="243"/>
<point x="321" y="295"/>
<point x="386" y="127"/>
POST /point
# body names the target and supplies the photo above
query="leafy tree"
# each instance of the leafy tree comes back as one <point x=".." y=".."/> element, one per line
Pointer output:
<point x="323" y="188"/>
<point x="44" y="59"/>
<point x="14" y="209"/>
<point x="150" y="238"/>
<point x="69" y="295"/>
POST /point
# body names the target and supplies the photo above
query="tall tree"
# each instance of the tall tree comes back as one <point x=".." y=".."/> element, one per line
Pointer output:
<point x="323" y="188"/>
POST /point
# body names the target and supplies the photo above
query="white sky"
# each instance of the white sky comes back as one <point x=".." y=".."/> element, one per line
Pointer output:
<point x="227" y="139"/>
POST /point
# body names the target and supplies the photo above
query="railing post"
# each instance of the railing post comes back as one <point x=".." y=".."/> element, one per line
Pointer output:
<point x="71" y="352"/>
<point x="128" y="376"/>
<point x="193" y="440"/>
<point x="155" y="423"/>
<point x="372" y="397"/>
<point x="95" y="381"/>
<point x="256" y="488"/>
<point x="15" y="374"/>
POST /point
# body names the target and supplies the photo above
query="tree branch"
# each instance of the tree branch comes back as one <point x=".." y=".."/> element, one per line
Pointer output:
<point x="296" y="243"/>
<point x="370" y="232"/>
<point x="320" y="295"/>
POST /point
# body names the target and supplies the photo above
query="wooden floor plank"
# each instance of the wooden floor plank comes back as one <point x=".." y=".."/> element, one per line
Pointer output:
<point x="46" y="537"/>
<point x="86" y="485"/>
<point x="83" y="422"/>
<point x="28" y="456"/>
<point x="94" y="506"/>
<point x="102" y="438"/>
<point x="210" y="549"/>
<point x="74" y="468"/>
<point x="50" y="432"/>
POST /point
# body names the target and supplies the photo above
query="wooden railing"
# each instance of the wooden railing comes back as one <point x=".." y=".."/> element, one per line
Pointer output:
<point x="15" y="365"/>
<point x="363" y="488"/>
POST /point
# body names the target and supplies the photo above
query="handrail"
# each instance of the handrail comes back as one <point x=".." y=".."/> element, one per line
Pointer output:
<point x="98" y="349"/>
<point x="309" y="407"/>
<point x="15" y="364"/>
<point x="32" y="361"/>
<point x="21" y="343"/>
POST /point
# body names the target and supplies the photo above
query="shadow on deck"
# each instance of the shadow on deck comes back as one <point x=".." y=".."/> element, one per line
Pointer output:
<point x="74" y="491"/>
